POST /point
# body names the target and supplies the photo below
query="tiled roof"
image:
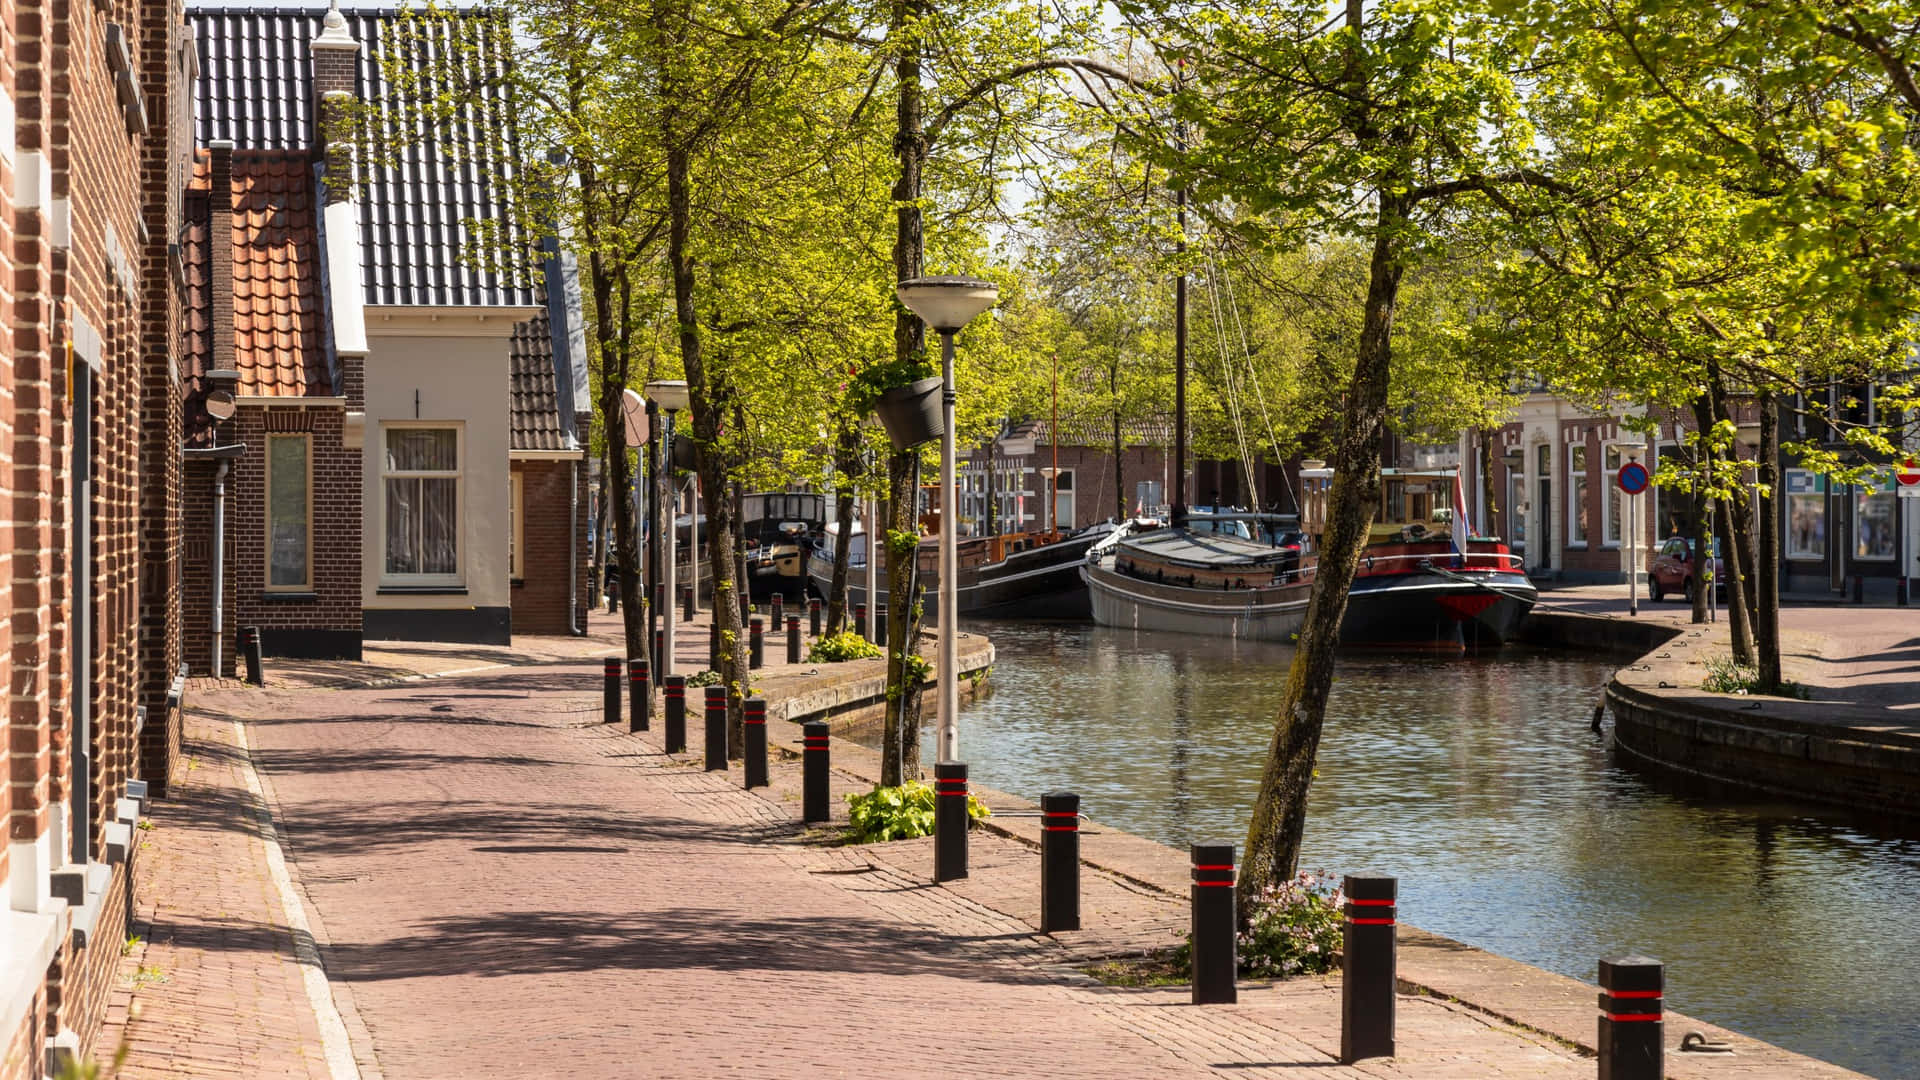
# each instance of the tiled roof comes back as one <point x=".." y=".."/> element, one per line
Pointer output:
<point x="278" y="344"/>
<point x="1096" y="431"/>
<point x="256" y="89"/>
<point x="536" y="409"/>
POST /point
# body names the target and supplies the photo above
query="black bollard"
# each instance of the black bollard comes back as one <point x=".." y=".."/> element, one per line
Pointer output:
<point x="1059" y="862"/>
<point x="860" y="619"/>
<point x="1632" y="1029"/>
<point x="612" y="671"/>
<point x="659" y="648"/>
<point x="880" y="627"/>
<point x="813" y="617"/>
<point x="779" y="612"/>
<point x="1215" y="958"/>
<point x="793" y="639"/>
<point x="640" y="686"/>
<point x="674" y="688"/>
<point x="1367" y="968"/>
<point x="950" y="821"/>
<point x="1902" y="591"/>
<point x="814" y="761"/>
<point x="746" y="609"/>
<point x="1859" y="588"/>
<point x="716" y="728"/>
<point x="754" y="721"/>
<point x="686" y="603"/>
<point x="756" y="644"/>
<point x="250" y="647"/>
<point x="713" y="645"/>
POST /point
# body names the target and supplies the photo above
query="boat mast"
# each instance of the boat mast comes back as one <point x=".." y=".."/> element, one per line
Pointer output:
<point x="1180" y="363"/>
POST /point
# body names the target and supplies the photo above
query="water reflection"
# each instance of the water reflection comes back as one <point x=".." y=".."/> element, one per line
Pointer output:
<point x="1478" y="784"/>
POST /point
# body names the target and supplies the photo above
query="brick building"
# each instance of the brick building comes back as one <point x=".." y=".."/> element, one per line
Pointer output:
<point x="403" y="458"/>
<point x="1010" y="478"/>
<point x="94" y="131"/>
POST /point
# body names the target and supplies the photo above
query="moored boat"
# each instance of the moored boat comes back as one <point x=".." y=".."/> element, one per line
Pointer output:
<point x="1015" y="575"/>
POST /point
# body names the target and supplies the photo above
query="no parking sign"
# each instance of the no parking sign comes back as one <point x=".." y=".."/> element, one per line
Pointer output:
<point x="1633" y="478"/>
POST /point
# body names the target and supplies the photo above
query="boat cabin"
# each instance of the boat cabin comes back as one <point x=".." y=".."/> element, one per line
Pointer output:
<point x="1415" y="505"/>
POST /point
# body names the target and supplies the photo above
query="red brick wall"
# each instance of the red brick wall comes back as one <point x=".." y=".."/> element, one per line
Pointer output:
<point x="540" y="597"/>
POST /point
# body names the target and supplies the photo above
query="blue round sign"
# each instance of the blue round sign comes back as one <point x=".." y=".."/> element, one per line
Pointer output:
<point x="1633" y="478"/>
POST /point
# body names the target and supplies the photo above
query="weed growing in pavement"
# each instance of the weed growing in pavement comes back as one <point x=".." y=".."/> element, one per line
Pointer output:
<point x="898" y="813"/>
<point x="146" y="825"/>
<point x="133" y="942"/>
<point x="149" y="975"/>
<point x="1725" y="675"/>
<point x="1166" y="967"/>
<point x="846" y="645"/>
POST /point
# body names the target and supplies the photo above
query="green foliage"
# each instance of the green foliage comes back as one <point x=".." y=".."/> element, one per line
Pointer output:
<point x="846" y="645"/>
<point x="1726" y="675"/>
<point x="706" y="677"/>
<point x="899" y="813"/>
<point x="1295" y="929"/>
<point x="134" y="941"/>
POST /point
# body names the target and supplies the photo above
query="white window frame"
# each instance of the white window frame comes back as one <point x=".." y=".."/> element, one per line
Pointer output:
<point x="1612" y="457"/>
<point x="266" y="511"/>
<point x="1063" y="523"/>
<point x="517" y="527"/>
<point x="1815" y="491"/>
<point x="457" y="579"/>
<point x="1576" y="494"/>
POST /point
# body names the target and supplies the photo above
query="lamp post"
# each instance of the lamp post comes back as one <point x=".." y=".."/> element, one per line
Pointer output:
<point x="671" y="396"/>
<point x="948" y="304"/>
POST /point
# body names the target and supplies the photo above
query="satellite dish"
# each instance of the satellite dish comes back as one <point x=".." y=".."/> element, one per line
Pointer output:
<point x="219" y="404"/>
<point x="635" y="408"/>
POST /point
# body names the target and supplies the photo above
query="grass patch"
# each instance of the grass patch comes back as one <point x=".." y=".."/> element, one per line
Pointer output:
<point x="1167" y="967"/>
<point x="1725" y="675"/>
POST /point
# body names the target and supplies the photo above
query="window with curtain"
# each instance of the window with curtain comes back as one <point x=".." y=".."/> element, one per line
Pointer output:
<point x="1577" y="528"/>
<point x="420" y="471"/>
<point x="289" y="523"/>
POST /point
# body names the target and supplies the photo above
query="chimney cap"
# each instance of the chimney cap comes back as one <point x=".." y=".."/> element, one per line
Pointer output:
<point x="333" y="31"/>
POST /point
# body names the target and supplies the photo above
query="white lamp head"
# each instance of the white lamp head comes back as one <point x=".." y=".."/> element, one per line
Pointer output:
<point x="669" y="394"/>
<point x="948" y="303"/>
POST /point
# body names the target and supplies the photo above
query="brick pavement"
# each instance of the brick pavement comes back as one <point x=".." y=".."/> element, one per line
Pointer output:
<point x="502" y="886"/>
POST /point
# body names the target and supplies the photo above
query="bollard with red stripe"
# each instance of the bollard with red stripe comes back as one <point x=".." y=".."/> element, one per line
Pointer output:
<point x="716" y="728"/>
<point x="1215" y="953"/>
<point x="686" y="603"/>
<point x="1632" y="1018"/>
<point x="754" y="725"/>
<point x="674" y="688"/>
<point x="779" y="612"/>
<point x="1059" y="862"/>
<point x="1367" y="967"/>
<point x="640" y="691"/>
<point x="950" y="821"/>
<point x="813" y="616"/>
<point x="793" y="639"/>
<point x="756" y="643"/>
<point x="860" y="619"/>
<point x="814" y="762"/>
<point x="611" y="670"/>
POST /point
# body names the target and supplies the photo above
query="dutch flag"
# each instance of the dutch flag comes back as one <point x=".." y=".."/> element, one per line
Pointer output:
<point x="1462" y="527"/>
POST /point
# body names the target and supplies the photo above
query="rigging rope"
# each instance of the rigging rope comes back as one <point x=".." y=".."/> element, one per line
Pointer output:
<point x="1227" y="372"/>
<point x="1260" y="395"/>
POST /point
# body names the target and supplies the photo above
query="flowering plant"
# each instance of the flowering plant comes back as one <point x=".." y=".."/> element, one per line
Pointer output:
<point x="1295" y="928"/>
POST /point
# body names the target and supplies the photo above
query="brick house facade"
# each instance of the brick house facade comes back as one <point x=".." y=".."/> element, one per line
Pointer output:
<point x="92" y="145"/>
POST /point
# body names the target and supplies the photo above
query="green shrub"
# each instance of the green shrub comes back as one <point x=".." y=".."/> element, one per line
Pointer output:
<point x="845" y="645"/>
<point x="1725" y="675"/>
<point x="899" y="813"/>
<point x="1295" y="929"/>
<point x="709" y="677"/>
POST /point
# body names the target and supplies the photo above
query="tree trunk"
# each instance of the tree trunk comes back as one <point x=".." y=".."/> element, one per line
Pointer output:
<point x="1702" y="535"/>
<point x="1733" y="529"/>
<point x="901" y="541"/>
<point x="1766" y="627"/>
<point x="602" y="543"/>
<point x="614" y="370"/>
<point x="846" y="464"/>
<point x="1280" y="809"/>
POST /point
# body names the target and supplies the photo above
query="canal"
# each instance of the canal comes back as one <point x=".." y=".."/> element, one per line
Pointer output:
<point x="1478" y="784"/>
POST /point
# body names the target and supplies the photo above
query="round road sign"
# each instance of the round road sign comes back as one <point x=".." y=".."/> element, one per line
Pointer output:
<point x="1633" y="478"/>
<point x="1907" y="474"/>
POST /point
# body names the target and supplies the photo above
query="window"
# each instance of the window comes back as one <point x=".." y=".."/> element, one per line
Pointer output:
<point x="1672" y="507"/>
<point x="1146" y="497"/>
<point x="517" y="528"/>
<point x="1806" y="515"/>
<point x="1063" y="500"/>
<point x="420" y="472"/>
<point x="289" y="517"/>
<point x="1608" y="479"/>
<point x="1577" y="495"/>
<point x="1873" y="533"/>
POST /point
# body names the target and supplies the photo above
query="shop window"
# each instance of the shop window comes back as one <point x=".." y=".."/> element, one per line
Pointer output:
<point x="1806" y="515"/>
<point x="1873" y="525"/>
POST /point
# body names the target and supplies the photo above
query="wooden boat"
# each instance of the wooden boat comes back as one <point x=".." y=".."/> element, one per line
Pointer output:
<point x="780" y="529"/>
<point x="1014" y="575"/>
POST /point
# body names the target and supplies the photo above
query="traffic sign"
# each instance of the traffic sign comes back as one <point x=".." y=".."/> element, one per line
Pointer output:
<point x="1907" y="474"/>
<point x="1633" y="478"/>
<point x="635" y="408"/>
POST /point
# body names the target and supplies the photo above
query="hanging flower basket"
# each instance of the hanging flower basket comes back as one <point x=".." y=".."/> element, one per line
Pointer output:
<point x="912" y="413"/>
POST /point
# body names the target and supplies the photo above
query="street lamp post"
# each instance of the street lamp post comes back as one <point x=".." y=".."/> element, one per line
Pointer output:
<point x="947" y="304"/>
<point x="671" y="396"/>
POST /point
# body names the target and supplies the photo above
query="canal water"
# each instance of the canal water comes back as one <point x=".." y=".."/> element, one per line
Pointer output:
<point x="1509" y="824"/>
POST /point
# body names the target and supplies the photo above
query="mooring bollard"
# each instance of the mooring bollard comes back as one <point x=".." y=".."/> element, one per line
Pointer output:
<point x="1059" y="862"/>
<point x="793" y="639"/>
<point x="756" y="644"/>
<point x="754" y="727"/>
<point x="814" y="762"/>
<point x="1215" y="956"/>
<point x="1367" y="968"/>
<point x="950" y="821"/>
<point x="686" y="603"/>
<point x="612" y="672"/>
<point x="1632" y="1024"/>
<point x="713" y="645"/>
<point x="716" y="728"/>
<point x="250" y="648"/>
<point x="779" y="612"/>
<point x="674" y="687"/>
<point x="813" y="616"/>
<point x="640" y="686"/>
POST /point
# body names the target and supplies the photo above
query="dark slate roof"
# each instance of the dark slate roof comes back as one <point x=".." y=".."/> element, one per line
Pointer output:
<point x="536" y="408"/>
<point x="1096" y="431"/>
<point x="256" y="89"/>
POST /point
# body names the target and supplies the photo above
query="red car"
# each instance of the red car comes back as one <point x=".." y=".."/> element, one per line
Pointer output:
<point x="1673" y="570"/>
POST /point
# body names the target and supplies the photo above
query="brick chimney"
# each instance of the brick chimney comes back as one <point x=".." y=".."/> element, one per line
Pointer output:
<point x="336" y="62"/>
<point x="220" y="255"/>
<point x="336" y="59"/>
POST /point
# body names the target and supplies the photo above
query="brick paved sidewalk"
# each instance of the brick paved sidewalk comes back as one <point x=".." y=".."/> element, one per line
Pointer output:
<point x="509" y="888"/>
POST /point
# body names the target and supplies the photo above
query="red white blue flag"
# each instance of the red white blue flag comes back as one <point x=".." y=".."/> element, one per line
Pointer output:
<point x="1462" y="527"/>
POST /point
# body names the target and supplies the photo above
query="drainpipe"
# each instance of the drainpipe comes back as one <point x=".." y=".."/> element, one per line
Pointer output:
<point x="573" y="551"/>
<point x="219" y="560"/>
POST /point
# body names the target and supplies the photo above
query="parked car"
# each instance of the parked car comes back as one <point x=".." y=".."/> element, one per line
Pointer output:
<point x="1673" y="569"/>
